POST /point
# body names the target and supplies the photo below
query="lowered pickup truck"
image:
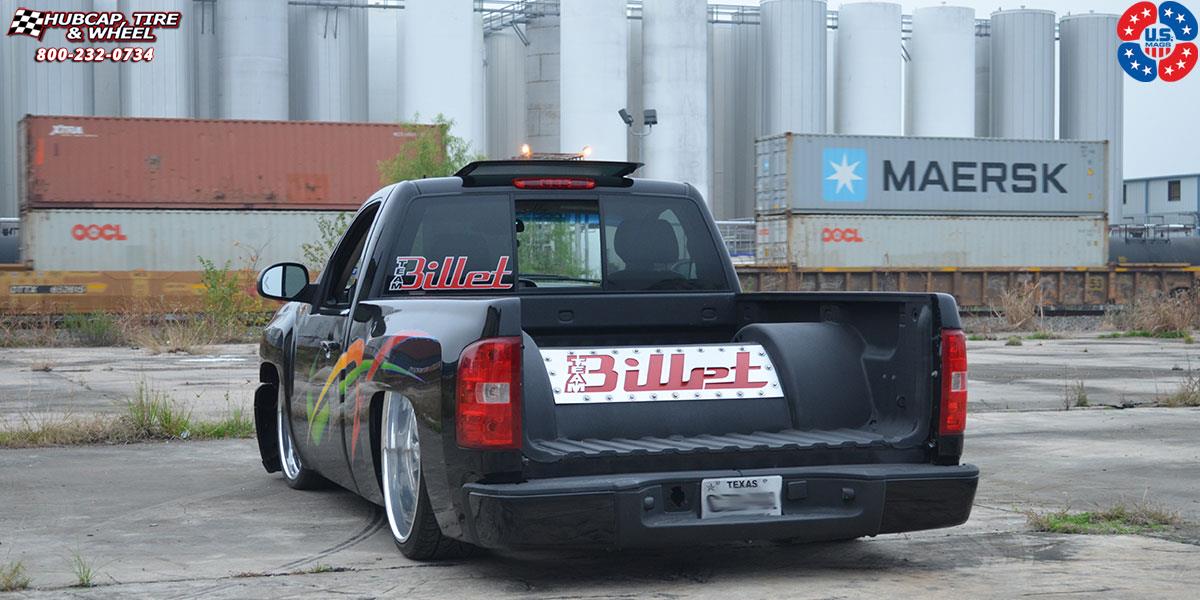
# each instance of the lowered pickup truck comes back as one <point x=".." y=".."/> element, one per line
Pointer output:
<point x="552" y="353"/>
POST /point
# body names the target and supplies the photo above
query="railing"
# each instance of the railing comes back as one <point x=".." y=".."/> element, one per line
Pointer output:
<point x="739" y="239"/>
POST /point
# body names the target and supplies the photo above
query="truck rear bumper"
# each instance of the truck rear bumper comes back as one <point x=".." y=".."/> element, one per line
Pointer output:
<point x="662" y="509"/>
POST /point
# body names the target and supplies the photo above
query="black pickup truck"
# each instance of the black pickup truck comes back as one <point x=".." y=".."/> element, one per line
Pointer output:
<point x="552" y="353"/>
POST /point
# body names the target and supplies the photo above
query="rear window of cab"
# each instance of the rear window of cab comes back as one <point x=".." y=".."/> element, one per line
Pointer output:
<point x="479" y="243"/>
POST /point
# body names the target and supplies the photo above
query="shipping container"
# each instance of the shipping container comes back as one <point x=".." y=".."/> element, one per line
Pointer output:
<point x="819" y="241"/>
<point x="164" y="240"/>
<point x="86" y="162"/>
<point x="10" y="231"/>
<point x="907" y="175"/>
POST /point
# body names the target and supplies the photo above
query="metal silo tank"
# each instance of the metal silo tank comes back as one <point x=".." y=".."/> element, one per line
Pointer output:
<point x="383" y="65"/>
<point x="40" y="88"/>
<point x="161" y="87"/>
<point x="736" y="72"/>
<point x="252" y="48"/>
<point x="327" y="57"/>
<point x="438" y="57"/>
<point x="983" y="80"/>
<point x="106" y="75"/>
<point x="1022" y="74"/>
<point x="675" y="50"/>
<point x="941" y="72"/>
<point x="542" y="96"/>
<point x="868" y="77"/>
<point x="1090" y="91"/>
<point x="505" y="81"/>
<point x="205" y="77"/>
<point x="594" y="63"/>
<point x="794" y="66"/>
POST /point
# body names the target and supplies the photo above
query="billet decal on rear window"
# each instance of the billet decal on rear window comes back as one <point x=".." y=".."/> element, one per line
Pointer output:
<point x="450" y="273"/>
<point x="647" y="374"/>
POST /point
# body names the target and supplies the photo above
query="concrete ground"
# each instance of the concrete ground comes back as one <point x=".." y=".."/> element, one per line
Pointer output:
<point x="201" y="519"/>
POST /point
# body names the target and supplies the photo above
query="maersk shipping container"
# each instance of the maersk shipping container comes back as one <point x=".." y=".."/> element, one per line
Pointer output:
<point x="906" y="175"/>
<point x="92" y="162"/>
<point x="164" y="240"/>
<point x="872" y="241"/>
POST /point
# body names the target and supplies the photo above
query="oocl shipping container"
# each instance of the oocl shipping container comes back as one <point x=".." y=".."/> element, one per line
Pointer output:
<point x="820" y="174"/>
<point x="878" y="241"/>
<point x="164" y="240"/>
<point x="98" y="162"/>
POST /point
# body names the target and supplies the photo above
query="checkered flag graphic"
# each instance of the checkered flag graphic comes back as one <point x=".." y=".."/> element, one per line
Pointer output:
<point x="27" y="22"/>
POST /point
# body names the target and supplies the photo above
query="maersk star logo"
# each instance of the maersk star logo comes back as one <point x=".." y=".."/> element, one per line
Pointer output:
<point x="845" y="175"/>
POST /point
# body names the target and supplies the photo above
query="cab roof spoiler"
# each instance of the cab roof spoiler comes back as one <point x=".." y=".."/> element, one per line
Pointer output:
<point x="502" y="172"/>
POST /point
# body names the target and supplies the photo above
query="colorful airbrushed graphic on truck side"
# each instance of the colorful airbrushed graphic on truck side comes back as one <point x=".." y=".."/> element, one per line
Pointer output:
<point x="391" y="358"/>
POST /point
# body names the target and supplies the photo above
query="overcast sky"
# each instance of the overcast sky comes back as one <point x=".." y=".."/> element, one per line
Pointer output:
<point x="1162" y="121"/>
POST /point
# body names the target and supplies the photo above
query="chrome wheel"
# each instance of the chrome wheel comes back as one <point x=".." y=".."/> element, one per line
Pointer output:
<point x="401" y="465"/>
<point x="287" y="450"/>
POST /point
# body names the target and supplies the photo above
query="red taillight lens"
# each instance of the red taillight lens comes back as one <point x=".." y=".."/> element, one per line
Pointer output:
<point x="953" y="419"/>
<point x="489" y="394"/>
<point x="558" y="183"/>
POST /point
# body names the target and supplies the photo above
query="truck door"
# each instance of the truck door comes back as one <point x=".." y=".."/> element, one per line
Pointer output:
<point x="322" y="356"/>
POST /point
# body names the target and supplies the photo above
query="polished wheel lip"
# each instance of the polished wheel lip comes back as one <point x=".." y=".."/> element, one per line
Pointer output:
<point x="401" y="454"/>
<point x="288" y="460"/>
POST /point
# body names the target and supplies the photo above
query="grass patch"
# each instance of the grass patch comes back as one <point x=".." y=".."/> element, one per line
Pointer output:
<point x="1188" y="394"/>
<point x="1117" y="520"/>
<point x="84" y="571"/>
<point x="981" y="337"/>
<point x="149" y="416"/>
<point x="1014" y="340"/>
<point x="13" y="577"/>
<point x="1043" y="335"/>
<point x="1143" y="333"/>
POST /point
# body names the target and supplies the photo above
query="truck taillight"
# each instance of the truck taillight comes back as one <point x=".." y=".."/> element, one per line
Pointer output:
<point x="554" y="183"/>
<point x="953" y="413"/>
<point x="489" y="394"/>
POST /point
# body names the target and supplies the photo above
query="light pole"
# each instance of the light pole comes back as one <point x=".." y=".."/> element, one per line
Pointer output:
<point x="649" y="120"/>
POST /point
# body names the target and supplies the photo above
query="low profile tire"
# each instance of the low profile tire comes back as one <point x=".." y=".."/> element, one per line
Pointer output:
<point x="294" y="472"/>
<point x="410" y="517"/>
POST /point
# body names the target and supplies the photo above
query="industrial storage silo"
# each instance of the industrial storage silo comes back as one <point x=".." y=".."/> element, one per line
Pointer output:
<point x="941" y="73"/>
<point x="106" y="75"/>
<point x="439" y="58"/>
<point x="206" y="81"/>
<point x="542" y="93"/>
<point x="983" y="79"/>
<point x="161" y="87"/>
<point x="794" y="65"/>
<point x="1022" y="74"/>
<point x="594" y="64"/>
<point x="252" y="49"/>
<point x="869" y="69"/>
<point x="675" y="53"/>
<point x="327" y="60"/>
<point x="736" y="116"/>
<point x="39" y="88"/>
<point x="1090" y="91"/>
<point x="505" y="85"/>
<point x="383" y="64"/>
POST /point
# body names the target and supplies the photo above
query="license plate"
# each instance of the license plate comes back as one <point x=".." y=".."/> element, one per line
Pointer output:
<point x="661" y="373"/>
<point x="741" y="496"/>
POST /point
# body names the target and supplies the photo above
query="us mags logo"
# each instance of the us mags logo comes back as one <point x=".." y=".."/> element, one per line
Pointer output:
<point x="844" y="176"/>
<point x="1157" y="41"/>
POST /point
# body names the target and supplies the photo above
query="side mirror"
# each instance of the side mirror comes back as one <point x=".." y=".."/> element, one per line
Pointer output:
<point x="283" y="281"/>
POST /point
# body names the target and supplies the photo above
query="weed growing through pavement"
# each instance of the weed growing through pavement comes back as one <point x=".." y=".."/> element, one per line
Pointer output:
<point x="1188" y="393"/>
<point x="1014" y="340"/>
<point x="84" y="570"/>
<point x="1119" y="519"/>
<point x="13" y="577"/>
<point x="1075" y="396"/>
<point x="150" y="415"/>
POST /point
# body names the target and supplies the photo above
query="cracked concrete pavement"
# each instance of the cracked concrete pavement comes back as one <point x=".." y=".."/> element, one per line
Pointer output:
<point x="201" y="519"/>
